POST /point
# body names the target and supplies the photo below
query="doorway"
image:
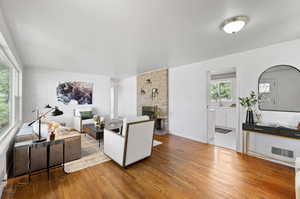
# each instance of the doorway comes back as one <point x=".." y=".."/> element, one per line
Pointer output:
<point x="222" y="115"/>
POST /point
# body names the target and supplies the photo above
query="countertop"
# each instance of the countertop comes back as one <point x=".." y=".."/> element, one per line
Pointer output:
<point x="273" y="130"/>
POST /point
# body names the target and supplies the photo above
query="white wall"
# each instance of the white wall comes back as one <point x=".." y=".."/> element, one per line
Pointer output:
<point x="127" y="97"/>
<point x="40" y="85"/>
<point x="114" y="98"/>
<point x="187" y="102"/>
<point x="8" y="38"/>
<point x="188" y="83"/>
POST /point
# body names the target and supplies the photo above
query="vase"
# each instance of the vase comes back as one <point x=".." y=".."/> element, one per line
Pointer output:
<point x="249" y="116"/>
<point x="102" y="125"/>
<point x="52" y="136"/>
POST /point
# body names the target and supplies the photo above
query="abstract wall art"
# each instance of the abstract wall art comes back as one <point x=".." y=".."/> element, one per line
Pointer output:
<point x="81" y="92"/>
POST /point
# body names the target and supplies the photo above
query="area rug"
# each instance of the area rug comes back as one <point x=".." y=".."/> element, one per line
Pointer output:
<point x="91" y="154"/>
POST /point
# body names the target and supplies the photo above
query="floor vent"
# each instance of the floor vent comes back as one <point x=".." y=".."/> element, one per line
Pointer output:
<point x="283" y="152"/>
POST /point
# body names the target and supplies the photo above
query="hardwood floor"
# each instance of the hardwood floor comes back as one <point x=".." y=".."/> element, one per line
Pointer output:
<point x="179" y="168"/>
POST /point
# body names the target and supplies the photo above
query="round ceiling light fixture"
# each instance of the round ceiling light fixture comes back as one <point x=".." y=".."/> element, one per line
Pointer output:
<point x="234" y="24"/>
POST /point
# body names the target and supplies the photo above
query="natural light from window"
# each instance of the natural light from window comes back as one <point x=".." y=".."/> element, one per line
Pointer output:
<point x="9" y="89"/>
<point x="4" y="97"/>
<point x="221" y="90"/>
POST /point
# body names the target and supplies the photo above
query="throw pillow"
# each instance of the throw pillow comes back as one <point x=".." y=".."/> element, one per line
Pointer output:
<point x="86" y="115"/>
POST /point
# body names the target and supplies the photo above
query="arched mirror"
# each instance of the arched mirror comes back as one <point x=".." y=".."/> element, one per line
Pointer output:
<point x="279" y="89"/>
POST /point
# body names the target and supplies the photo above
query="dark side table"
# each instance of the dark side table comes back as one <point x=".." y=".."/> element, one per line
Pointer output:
<point x="160" y="123"/>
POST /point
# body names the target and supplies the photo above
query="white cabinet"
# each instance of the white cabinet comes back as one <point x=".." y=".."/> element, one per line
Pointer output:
<point x="221" y="117"/>
<point x="230" y="118"/>
<point x="211" y="124"/>
<point x="225" y="117"/>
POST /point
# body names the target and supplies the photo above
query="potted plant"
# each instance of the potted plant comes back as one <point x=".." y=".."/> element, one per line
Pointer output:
<point x="249" y="102"/>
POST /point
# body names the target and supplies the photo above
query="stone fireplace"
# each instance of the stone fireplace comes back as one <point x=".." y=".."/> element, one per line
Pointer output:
<point x="152" y="93"/>
<point x="149" y="110"/>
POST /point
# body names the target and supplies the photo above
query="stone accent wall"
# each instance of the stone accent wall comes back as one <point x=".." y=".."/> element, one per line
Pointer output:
<point x="159" y="80"/>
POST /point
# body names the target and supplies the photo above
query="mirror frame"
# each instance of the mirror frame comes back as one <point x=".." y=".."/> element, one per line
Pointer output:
<point x="297" y="69"/>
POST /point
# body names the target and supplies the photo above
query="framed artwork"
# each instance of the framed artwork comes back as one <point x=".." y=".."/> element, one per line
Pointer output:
<point x="81" y="92"/>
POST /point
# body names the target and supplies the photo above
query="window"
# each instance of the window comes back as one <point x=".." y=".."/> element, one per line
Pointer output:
<point x="4" y="96"/>
<point x="10" y="102"/>
<point x="221" y="90"/>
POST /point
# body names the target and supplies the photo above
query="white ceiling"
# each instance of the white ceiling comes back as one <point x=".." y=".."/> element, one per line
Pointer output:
<point x="125" y="37"/>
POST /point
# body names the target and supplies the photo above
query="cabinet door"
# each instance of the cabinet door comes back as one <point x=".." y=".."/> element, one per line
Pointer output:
<point x="211" y="124"/>
<point x="230" y="118"/>
<point x="220" y="117"/>
<point x="21" y="160"/>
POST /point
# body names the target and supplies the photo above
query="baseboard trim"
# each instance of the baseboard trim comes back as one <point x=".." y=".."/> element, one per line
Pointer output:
<point x="264" y="157"/>
<point x="190" y="138"/>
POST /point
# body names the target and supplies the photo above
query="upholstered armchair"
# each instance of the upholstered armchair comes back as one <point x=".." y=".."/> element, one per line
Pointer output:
<point x="133" y="144"/>
<point x="79" y="120"/>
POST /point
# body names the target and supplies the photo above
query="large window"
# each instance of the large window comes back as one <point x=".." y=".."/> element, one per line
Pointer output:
<point x="9" y="89"/>
<point x="221" y="90"/>
<point x="5" y="107"/>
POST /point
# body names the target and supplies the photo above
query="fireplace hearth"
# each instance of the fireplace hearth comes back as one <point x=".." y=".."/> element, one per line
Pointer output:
<point x="150" y="111"/>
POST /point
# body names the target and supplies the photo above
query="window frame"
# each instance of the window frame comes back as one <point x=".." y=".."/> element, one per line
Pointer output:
<point x="218" y="82"/>
<point x="15" y="79"/>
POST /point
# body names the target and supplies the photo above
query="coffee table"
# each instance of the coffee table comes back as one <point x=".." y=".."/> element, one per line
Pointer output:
<point x="97" y="132"/>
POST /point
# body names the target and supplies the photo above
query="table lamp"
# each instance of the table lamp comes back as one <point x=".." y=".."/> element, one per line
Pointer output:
<point x="55" y="112"/>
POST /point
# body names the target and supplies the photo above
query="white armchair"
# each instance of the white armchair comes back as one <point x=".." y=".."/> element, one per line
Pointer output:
<point x="133" y="144"/>
<point x="77" y="119"/>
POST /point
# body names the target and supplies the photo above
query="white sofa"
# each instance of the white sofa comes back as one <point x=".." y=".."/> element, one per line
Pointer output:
<point x="133" y="144"/>
<point x="297" y="178"/>
<point x="77" y="121"/>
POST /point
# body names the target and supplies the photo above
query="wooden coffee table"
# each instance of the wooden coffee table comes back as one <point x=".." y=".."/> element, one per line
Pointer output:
<point x="97" y="132"/>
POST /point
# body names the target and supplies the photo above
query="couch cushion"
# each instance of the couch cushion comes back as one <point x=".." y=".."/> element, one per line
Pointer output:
<point x="82" y="108"/>
<point x="88" y="121"/>
<point x="86" y="115"/>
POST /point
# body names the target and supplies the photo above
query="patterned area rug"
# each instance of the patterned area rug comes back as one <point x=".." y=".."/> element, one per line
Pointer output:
<point x="91" y="154"/>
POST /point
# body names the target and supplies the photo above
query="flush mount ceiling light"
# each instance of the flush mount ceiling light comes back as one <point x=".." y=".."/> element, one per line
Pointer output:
<point x="234" y="24"/>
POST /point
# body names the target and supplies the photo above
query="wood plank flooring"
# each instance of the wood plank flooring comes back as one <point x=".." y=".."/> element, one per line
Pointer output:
<point x="179" y="168"/>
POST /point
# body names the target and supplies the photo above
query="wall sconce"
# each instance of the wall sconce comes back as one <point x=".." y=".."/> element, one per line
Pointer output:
<point x="143" y="92"/>
<point x="148" y="81"/>
<point x="154" y="93"/>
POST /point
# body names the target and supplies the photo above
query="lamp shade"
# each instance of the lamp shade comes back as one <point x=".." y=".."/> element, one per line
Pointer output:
<point x="48" y="106"/>
<point x="57" y="112"/>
